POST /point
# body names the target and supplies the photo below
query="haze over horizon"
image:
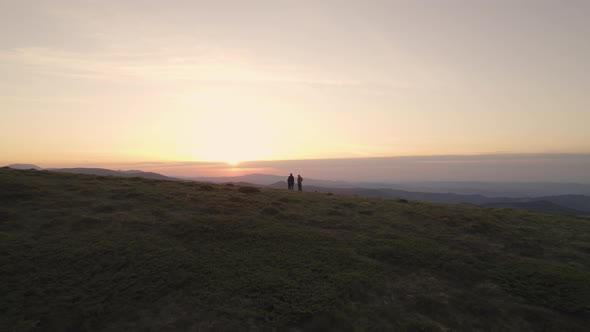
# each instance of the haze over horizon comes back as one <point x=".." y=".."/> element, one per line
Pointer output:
<point x="516" y="168"/>
<point x="478" y="90"/>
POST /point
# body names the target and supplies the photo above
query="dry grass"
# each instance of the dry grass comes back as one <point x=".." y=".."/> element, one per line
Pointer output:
<point x="82" y="252"/>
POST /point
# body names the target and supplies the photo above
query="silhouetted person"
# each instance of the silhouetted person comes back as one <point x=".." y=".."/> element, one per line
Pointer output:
<point x="299" y="180"/>
<point x="291" y="182"/>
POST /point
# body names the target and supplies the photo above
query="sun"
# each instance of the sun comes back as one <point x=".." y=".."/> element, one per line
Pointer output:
<point x="231" y="137"/>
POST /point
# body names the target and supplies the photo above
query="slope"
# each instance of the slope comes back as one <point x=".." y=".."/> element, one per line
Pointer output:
<point x="540" y="205"/>
<point x="109" y="172"/>
<point x="88" y="253"/>
<point x="572" y="204"/>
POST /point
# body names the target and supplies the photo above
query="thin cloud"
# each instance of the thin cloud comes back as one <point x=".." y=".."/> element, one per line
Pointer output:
<point x="162" y="66"/>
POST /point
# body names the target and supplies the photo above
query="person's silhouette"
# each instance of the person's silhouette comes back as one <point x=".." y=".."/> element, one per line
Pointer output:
<point x="291" y="182"/>
<point x="299" y="180"/>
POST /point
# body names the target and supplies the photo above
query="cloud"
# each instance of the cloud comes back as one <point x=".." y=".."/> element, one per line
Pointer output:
<point x="195" y="65"/>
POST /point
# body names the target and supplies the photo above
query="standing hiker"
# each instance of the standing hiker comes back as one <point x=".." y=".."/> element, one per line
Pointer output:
<point x="291" y="182"/>
<point x="299" y="180"/>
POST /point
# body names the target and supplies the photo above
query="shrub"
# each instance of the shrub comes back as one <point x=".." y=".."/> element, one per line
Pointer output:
<point x="248" y="190"/>
<point x="105" y="208"/>
<point x="235" y="199"/>
<point x="269" y="210"/>
<point x="335" y="213"/>
<point x="423" y="325"/>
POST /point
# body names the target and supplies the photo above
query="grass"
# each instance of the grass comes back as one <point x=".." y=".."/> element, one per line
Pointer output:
<point x="91" y="253"/>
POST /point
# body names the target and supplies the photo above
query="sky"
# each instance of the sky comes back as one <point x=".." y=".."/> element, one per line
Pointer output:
<point x="95" y="82"/>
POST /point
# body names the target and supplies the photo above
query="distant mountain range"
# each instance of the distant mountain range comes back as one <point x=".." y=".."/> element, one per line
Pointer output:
<point x="569" y="204"/>
<point x="489" y="189"/>
<point x="23" y="166"/>
<point x="268" y="179"/>
<point x="103" y="171"/>
<point x="96" y="171"/>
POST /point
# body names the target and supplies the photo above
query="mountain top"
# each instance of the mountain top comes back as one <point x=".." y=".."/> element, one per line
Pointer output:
<point x="109" y="172"/>
<point x="87" y="252"/>
<point x="23" y="166"/>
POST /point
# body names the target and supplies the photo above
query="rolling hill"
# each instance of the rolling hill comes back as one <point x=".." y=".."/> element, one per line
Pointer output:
<point x="572" y="204"/>
<point x="101" y="253"/>
<point x="94" y="171"/>
<point x="23" y="166"/>
<point x="108" y="172"/>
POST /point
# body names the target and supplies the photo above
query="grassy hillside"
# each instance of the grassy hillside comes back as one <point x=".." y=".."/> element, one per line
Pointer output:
<point x="83" y="252"/>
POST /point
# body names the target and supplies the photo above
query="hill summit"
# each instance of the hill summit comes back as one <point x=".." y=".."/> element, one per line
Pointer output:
<point x="23" y="166"/>
<point x="87" y="253"/>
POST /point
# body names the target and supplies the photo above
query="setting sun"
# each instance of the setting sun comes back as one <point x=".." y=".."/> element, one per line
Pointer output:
<point x="222" y="134"/>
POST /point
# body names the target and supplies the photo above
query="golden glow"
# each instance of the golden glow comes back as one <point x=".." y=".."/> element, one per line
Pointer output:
<point x="118" y="93"/>
<point x="232" y="137"/>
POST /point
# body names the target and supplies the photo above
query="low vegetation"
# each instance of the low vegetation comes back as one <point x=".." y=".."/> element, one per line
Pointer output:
<point x="89" y="253"/>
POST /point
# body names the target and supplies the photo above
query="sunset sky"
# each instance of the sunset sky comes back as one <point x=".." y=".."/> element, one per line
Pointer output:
<point x="233" y="81"/>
